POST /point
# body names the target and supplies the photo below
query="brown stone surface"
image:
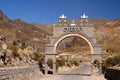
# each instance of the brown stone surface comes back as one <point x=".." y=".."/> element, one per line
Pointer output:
<point x="20" y="73"/>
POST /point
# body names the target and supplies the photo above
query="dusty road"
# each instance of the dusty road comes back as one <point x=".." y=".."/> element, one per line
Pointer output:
<point x="84" y="70"/>
<point x="82" y="73"/>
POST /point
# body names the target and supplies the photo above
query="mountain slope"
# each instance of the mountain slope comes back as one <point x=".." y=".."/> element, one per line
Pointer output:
<point x="109" y="35"/>
<point x="18" y="30"/>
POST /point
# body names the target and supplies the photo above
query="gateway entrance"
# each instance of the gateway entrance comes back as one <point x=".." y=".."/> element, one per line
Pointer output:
<point x="65" y="29"/>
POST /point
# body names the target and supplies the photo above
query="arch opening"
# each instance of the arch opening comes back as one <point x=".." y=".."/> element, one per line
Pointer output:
<point x="72" y="35"/>
<point x="73" y="51"/>
<point x="74" y="45"/>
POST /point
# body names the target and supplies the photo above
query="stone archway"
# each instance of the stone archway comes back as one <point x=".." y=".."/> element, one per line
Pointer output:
<point x="81" y="35"/>
<point x="63" y="30"/>
<point x="95" y="50"/>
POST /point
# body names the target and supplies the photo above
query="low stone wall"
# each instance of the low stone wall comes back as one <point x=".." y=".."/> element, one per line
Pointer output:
<point x="20" y="73"/>
<point x="112" y="74"/>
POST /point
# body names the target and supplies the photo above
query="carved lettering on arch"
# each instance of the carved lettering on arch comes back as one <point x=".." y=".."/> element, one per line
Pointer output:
<point x="72" y="29"/>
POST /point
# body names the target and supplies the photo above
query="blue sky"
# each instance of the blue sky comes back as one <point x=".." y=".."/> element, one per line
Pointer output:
<point x="48" y="11"/>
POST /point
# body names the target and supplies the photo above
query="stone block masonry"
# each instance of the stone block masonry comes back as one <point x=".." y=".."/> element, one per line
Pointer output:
<point x="20" y="73"/>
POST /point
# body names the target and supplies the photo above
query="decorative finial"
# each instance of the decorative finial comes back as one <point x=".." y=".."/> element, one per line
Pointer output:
<point x="73" y="23"/>
<point x="84" y="16"/>
<point x="63" y="16"/>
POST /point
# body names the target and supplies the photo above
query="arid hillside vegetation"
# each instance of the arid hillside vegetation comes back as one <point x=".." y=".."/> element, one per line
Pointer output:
<point x="108" y="35"/>
<point x="20" y="31"/>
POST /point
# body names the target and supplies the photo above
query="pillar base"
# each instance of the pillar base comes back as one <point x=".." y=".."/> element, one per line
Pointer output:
<point x="100" y="69"/>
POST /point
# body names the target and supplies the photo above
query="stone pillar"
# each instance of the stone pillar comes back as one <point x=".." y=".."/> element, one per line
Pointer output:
<point x="100" y="68"/>
<point x="46" y="68"/>
<point x="92" y="68"/>
<point x="54" y="68"/>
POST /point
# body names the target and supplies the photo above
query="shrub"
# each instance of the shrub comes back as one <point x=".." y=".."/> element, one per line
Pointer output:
<point x="23" y="46"/>
<point x="38" y="57"/>
<point x="14" y="49"/>
<point x="75" y="63"/>
<point x="60" y="63"/>
<point x="50" y="63"/>
<point x="69" y="65"/>
<point x="112" y="61"/>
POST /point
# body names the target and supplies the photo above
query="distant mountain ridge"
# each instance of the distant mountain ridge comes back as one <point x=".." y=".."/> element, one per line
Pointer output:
<point x="3" y="17"/>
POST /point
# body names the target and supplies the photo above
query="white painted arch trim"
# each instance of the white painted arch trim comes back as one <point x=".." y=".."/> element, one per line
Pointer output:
<point x="89" y="41"/>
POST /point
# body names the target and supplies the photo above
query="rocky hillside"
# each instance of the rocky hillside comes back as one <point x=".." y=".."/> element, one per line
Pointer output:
<point x="18" y="30"/>
<point x="47" y="28"/>
<point x="108" y="35"/>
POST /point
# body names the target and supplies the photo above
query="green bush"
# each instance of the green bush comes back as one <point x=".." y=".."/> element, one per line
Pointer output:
<point x="14" y="49"/>
<point x="60" y="63"/>
<point x="69" y="65"/>
<point x="38" y="57"/>
<point x="75" y="63"/>
<point x="112" y="61"/>
<point x="23" y="46"/>
<point x="113" y="50"/>
<point x="50" y="63"/>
